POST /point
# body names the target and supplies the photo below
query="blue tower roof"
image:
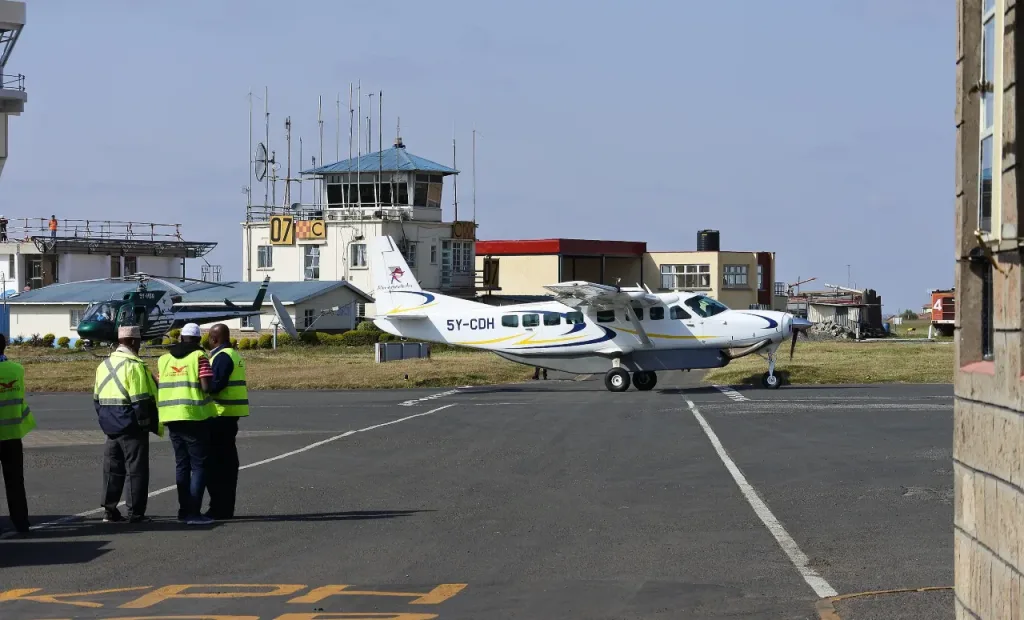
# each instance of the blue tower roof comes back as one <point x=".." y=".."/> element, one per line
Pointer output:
<point x="394" y="159"/>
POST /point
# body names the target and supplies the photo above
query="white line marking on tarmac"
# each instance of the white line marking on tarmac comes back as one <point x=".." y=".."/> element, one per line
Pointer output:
<point x="168" y="489"/>
<point x="796" y="556"/>
<point x="414" y="401"/>
<point x="731" y="393"/>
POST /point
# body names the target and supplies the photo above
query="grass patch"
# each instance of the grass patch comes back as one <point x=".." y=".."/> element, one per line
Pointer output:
<point x="846" y="362"/>
<point x="294" y="368"/>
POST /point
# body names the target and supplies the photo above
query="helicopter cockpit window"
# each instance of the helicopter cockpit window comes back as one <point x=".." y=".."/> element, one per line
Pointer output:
<point x="705" y="306"/>
<point x="105" y="311"/>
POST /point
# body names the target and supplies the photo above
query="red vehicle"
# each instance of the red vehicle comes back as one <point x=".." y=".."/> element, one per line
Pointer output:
<point x="944" y="311"/>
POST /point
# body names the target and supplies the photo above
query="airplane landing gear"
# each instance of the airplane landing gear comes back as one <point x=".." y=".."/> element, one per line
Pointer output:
<point x="769" y="380"/>
<point x="616" y="380"/>
<point x="645" y="380"/>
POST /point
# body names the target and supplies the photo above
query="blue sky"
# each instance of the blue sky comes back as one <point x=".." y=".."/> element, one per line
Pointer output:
<point x="820" y="130"/>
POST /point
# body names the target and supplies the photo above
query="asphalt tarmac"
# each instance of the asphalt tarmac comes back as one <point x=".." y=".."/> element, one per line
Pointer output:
<point x="551" y="499"/>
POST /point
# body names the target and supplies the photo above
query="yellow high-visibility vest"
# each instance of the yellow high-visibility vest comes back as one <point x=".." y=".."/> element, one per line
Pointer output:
<point x="16" y="419"/>
<point x="180" y="397"/>
<point x="233" y="400"/>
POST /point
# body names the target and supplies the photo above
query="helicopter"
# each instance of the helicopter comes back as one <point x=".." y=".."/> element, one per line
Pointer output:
<point x="157" y="311"/>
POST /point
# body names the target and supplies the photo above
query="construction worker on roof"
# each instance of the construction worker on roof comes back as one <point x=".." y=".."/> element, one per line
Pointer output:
<point x="125" y="399"/>
<point x="16" y="421"/>
<point x="183" y="399"/>
<point x="231" y="400"/>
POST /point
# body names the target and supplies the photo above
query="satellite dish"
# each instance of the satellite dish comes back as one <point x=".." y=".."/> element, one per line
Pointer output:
<point x="260" y="166"/>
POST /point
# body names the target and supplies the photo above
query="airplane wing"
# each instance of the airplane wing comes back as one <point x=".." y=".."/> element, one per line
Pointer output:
<point x="605" y="297"/>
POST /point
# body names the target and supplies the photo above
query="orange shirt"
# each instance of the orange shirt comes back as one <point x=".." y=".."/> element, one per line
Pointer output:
<point x="53" y="224"/>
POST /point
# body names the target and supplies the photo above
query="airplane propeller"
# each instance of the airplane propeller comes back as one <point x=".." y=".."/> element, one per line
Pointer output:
<point x="799" y="325"/>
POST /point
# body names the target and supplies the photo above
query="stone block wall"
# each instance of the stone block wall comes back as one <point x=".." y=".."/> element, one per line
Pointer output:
<point x="988" y="442"/>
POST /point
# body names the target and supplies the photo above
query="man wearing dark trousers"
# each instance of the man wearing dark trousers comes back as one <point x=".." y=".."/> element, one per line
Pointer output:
<point x="185" y="409"/>
<point x="16" y="421"/>
<point x="125" y="399"/>
<point x="231" y="400"/>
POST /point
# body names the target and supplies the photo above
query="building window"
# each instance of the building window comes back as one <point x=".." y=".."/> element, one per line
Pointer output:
<point x="510" y="320"/>
<point x="357" y="255"/>
<point x="131" y="265"/>
<point x="311" y="262"/>
<point x="245" y="322"/>
<point x="409" y="252"/>
<point x="760" y="277"/>
<point x="988" y="112"/>
<point x="780" y="289"/>
<point x="735" y="275"/>
<point x="76" y="316"/>
<point x="308" y="316"/>
<point x="676" y="277"/>
<point x="265" y="257"/>
<point x="433" y="253"/>
<point x="115" y="266"/>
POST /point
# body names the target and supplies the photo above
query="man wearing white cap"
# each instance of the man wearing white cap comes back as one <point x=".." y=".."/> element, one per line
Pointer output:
<point x="183" y="398"/>
<point x="125" y="399"/>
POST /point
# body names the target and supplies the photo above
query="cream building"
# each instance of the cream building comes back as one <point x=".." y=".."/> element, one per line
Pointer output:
<point x="737" y="279"/>
<point x="988" y="417"/>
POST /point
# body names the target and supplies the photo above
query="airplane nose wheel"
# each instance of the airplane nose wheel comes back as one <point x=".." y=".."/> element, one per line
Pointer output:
<point x="645" y="380"/>
<point x="768" y="379"/>
<point x="616" y="380"/>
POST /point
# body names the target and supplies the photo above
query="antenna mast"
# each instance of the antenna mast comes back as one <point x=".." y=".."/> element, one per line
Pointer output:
<point x="266" y="115"/>
<point x="288" y="177"/>
<point x="359" y="146"/>
<point x="455" y="179"/>
<point x="320" y="121"/>
<point x="300" y="168"/>
<point x="380" y="146"/>
<point x="474" y="175"/>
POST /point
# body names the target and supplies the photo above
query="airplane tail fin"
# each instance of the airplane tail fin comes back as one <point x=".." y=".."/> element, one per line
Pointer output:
<point x="392" y="277"/>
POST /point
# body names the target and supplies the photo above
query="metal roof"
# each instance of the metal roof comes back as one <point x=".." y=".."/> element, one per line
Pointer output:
<point x="196" y="292"/>
<point x="394" y="159"/>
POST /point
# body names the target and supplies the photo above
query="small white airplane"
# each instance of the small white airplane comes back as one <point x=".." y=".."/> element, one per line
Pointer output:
<point x="590" y="328"/>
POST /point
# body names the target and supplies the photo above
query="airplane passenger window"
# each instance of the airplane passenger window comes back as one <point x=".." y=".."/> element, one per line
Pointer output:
<point x="510" y="320"/>
<point x="531" y="320"/>
<point x="657" y="313"/>
<point x="639" y="312"/>
<point x="573" y="318"/>
<point x="677" y="313"/>
<point x="605" y="316"/>
<point x="550" y="318"/>
<point x="705" y="306"/>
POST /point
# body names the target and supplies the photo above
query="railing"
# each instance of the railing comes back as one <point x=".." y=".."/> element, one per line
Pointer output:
<point x="341" y="212"/>
<point x="9" y="81"/>
<point x="23" y="229"/>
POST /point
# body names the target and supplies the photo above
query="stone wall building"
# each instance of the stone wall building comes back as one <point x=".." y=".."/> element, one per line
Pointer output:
<point x="988" y="444"/>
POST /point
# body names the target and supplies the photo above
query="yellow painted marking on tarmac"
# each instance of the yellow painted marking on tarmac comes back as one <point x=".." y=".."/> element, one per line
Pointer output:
<point x="186" y="618"/>
<point x="356" y="616"/>
<point x="179" y="591"/>
<point x="826" y="607"/>
<point x="27" y="595"/>
<point x="436" y="596"/>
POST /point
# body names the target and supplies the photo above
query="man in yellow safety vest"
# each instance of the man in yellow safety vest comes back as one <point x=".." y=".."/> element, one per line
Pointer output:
<point x="231" y="400"/>
<point x="16" y="421"/>
<point x="125" y="399"/>
<point x="185" y="409"/>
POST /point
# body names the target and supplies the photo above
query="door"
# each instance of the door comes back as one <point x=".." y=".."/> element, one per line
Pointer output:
<point x="688" y="324"/>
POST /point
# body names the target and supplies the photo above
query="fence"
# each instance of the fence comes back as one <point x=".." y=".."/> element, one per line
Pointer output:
<point x="23" y="228"/>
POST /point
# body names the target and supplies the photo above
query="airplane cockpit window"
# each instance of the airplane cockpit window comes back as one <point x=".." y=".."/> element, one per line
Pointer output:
<point x="573" y="318"/>
<point x="105" y="311"/>
<point x="705" y="306"/>
<point x="678" y="314"/>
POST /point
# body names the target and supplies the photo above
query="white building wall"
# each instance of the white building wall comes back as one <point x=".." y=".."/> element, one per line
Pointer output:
<point x="157" y="266"/>
<point x="42" y="319"/>
<point x="75" y="267"/>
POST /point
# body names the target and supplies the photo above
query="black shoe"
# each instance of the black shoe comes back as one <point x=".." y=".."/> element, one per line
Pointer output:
<point x="139" y="519"/>
<point x="113" y="517"/>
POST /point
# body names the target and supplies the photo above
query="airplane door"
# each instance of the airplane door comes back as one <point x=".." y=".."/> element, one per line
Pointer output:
<point x="692" y="324"/>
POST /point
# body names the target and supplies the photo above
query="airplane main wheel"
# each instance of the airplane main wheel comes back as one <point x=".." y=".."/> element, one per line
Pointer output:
<point x="616" y="380"/>
<point x="770" y="381"/>
<point x="645" y="380"/>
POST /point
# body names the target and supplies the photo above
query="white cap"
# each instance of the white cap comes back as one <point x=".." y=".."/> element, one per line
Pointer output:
<point x="190" y="329"/>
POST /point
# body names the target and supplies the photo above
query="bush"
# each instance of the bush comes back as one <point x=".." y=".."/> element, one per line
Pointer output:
<point x="385" y="337"/>
<point x="266" y="341"/>
<point x="234" y="343"/>
<point x="18" y="340"/>
<point x="64" y="342"/>
<point x="244" y="344"/>
<point x="368" y="326"/>
<point x="156" y="342"/>
<point x="168" y="341"/>
<point x="284" y="338"/>
<point x="308" y="338"/>
<point x="48" y="340"/>
<point x="356" y="337"/>
<point x="174" y="334"/>
<point x="79" y="344"/>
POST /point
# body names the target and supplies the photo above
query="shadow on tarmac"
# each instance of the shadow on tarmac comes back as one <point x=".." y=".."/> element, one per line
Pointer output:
<point x="49" y="553"/>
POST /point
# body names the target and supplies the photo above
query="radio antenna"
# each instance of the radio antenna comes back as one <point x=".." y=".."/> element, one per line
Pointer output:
<point x="455" y="178"/>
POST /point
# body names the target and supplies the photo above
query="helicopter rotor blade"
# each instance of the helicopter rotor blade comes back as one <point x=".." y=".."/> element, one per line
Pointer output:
<point x="173" y="287"/>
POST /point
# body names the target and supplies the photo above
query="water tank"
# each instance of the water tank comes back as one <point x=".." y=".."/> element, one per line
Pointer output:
<point x="707" y="241"/>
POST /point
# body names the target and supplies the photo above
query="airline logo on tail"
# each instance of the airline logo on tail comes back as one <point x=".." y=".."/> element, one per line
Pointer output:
<point x="396" y="274"/>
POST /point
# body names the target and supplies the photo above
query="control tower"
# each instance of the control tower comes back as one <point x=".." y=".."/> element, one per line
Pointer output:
<point x="12" y="85"/>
